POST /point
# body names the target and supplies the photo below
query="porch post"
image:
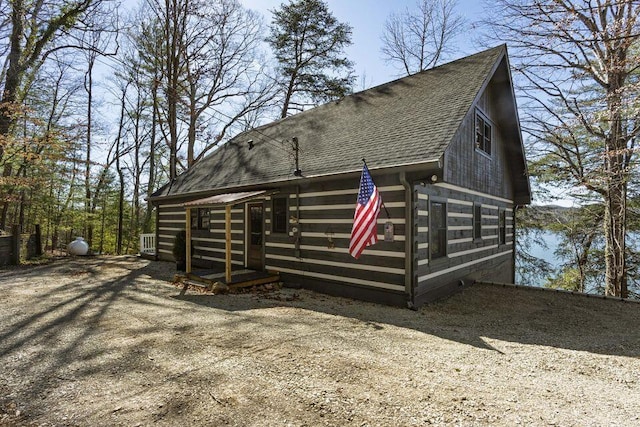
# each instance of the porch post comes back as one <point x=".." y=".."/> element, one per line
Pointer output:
<point x="188" y="240"/>
<point x="227" y="244"/>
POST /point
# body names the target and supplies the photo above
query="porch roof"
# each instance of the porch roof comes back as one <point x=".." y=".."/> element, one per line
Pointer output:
<point x="226" y="199"/>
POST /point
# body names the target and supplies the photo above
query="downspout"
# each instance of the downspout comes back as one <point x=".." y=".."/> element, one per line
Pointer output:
<point x="188" y="239"/>
<point x="515" y="232"/>
<point x="299" y="233"/>
<point x="408" y="240"/>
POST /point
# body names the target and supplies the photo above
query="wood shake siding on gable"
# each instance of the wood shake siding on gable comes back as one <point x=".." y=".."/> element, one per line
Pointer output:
<point x="324" y="216"/>
<point x="466" y="258"/>
<point x="469" y="167"/>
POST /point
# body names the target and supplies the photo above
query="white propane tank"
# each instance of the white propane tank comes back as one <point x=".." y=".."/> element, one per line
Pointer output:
<point x="78" y="247"/>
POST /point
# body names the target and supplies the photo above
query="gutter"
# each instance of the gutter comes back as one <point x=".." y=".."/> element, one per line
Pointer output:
<point x="406" y="167"/>
<point x="298" y="235"/>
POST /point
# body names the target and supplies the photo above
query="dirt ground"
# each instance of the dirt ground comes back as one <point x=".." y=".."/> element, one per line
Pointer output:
<point x="109" y="341"/>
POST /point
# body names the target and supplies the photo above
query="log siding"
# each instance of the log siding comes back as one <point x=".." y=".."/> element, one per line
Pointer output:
<point x="170" y="220"/>
<point x="467" y="259"/>
<point x="323" y="216"/>
<point x="208" y="245"/>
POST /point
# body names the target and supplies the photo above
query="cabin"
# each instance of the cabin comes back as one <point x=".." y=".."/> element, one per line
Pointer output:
<point x="445" y="150"/>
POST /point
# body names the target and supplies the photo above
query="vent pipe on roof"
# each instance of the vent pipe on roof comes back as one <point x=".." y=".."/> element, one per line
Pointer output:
<point x="296" y="148"/>
<point x="250" y="142"/>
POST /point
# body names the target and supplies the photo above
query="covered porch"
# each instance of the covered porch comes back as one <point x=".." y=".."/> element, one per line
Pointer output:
<point x="241" y="277"/>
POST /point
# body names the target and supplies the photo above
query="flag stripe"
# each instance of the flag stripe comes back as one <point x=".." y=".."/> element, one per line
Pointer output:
<point x="365" y="218"/>
<point x="366" y="224"/>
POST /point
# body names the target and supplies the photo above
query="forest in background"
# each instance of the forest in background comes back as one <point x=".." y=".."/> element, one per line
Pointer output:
<point x="186" y="75"/>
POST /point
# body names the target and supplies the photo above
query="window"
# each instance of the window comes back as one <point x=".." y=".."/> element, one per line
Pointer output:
<point x="255" y="212"/>
<point x="483" y="134"/>
<point x="477" y="221"/>
<point x="438" y="229"/>
<point x="279" y="215"/>
<point x="200" y="219"/>
<point x="502" y="227"/>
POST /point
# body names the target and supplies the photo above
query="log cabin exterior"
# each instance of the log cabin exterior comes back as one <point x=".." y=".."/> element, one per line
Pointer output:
<point x="444" y="149"/>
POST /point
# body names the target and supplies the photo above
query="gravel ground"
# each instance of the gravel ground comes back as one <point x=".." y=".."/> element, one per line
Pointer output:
<point x="109" y="341"/>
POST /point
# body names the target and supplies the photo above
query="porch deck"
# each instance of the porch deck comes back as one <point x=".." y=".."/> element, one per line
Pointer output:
<point x="239" y="278"/>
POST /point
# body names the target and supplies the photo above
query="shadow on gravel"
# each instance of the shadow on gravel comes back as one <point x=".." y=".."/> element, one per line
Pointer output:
<point x="46" y="341"/>
<point x="483" y="311"/>
<point x="92" y="328"/>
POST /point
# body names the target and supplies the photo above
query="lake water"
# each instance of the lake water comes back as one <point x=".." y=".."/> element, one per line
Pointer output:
<point x="552" y="240"/>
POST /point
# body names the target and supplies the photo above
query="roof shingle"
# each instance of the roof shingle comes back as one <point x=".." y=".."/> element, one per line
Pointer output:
<point x="409" y="120"/>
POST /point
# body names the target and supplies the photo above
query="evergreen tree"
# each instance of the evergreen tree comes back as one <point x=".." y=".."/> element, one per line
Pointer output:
<point x="309" y="44"/>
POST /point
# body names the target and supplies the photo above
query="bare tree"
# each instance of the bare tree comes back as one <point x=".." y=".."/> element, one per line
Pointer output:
<point x="95" y="44"/>
<point x="210" y="74"/>
<point x="39" y="25"/>
<point x="35" y="31"/>
<point x="416" y="40"/>
<point x="221" y="71"/>
<point x="142" y="64"/>
<point x="578" y="65"/>
<point x="118" y="156"/>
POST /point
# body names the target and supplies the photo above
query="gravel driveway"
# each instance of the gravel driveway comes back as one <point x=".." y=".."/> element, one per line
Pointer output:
<point x="109" y="341"/>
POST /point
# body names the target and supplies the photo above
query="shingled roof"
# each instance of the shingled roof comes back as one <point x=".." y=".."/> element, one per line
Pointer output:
<point x="406" y="121"/>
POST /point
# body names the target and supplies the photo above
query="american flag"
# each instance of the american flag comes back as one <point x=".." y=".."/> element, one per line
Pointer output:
<point x="365" y="220"/>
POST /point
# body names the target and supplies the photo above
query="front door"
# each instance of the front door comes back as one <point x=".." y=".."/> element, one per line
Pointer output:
<point x="255" y="235"/>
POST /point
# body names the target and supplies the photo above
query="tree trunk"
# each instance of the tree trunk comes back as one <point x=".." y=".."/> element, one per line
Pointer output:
<point x="287" y="97"/>
<point x="615" y="234"/>
<point x="13" y="72"/>
<point x="87" y="170"/>
<point x="173" y="31"/>
<point x="104" y="219"/>
<point x="146" y="226"/>
<point x="120" y="174"/>
<point x="582" y="260"/>
<point x="615" y="215"/>
<point x="193" y="123"/>
<point x="120" y="212"/>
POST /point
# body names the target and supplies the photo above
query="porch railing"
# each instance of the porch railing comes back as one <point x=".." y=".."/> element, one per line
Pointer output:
<point x="148" y="243"/>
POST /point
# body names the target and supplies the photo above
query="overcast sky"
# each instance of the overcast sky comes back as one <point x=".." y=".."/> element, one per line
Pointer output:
<point x="367" y="17"/>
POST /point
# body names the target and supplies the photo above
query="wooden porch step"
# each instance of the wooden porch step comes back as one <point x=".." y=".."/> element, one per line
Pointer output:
<point x="238" y="281"/>
<point x="255" y="282"/>
<point x="187" y="283"/>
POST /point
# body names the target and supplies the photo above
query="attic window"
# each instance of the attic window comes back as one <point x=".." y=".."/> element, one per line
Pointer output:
<point x="483" y="133"/>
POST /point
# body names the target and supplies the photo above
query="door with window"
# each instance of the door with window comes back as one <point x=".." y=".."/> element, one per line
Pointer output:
<point x="255" y="237"/>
